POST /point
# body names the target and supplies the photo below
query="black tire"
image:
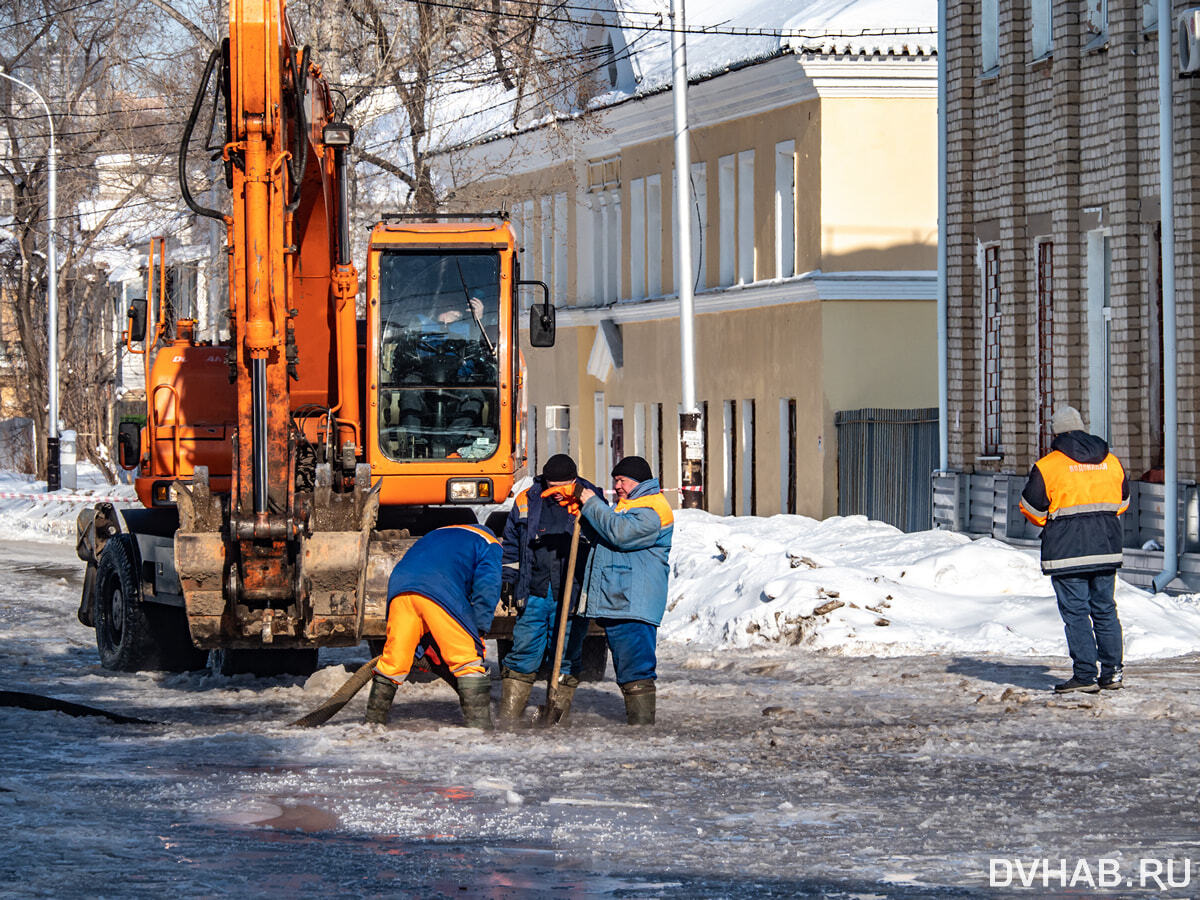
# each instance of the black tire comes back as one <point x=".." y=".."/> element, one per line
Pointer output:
<point x="124" y="635"/>
<point x="132" y="635"/>
<point x="263" y="663"/>
<point x="375" y="645"/>
<point x="595" y="658"/>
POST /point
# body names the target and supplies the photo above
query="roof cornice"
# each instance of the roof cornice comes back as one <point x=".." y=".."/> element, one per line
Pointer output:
<point x="810" y="287"/>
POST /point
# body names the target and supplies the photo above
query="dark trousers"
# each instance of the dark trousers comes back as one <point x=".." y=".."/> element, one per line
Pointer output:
<point x="1089" y="612"/>
<point x="632" y="644"/>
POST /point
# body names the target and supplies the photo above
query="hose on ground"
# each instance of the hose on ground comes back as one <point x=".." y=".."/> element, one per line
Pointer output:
<point x="340" y="698"/>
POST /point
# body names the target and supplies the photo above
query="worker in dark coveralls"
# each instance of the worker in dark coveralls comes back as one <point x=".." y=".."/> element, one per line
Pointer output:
<point x="441" y="597"/>
<point x="625" y="582"/>
<point x="537" y="541"/>
<point x="1075" y="494"/>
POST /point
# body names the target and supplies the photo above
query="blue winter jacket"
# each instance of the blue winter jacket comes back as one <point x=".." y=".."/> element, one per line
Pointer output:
<point x="458" y="568"/>
<point x="626" y="576"/>
<point x="528" y="520"/>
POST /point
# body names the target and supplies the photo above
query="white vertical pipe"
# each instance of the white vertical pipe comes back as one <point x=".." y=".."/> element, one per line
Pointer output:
<point x="943" y="292"/>
<point x="1166" y="172"/>
<point x="683" y="210"/>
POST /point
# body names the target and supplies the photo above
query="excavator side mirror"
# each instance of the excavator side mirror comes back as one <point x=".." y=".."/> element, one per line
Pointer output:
<point x="129" y="444"/>
<point x="137" y="320"/>
<point x="541" y="317"/>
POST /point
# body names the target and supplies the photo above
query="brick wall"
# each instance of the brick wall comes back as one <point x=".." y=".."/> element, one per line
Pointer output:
<point x="1055" y="148"/>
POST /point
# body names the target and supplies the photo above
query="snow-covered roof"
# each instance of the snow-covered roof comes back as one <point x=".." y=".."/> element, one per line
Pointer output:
<point x="735" y="34"/>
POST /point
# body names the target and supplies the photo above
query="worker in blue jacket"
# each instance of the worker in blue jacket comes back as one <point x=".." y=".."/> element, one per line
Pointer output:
<point x="625" y="582"/>
<point x="537" y="538"/>
<point x="441" y="597"/>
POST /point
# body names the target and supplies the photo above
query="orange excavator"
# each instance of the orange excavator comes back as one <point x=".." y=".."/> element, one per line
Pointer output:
<point x="284" y="468"/>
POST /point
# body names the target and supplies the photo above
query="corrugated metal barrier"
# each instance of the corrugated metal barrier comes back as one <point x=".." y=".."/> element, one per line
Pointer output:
<point x="885" y="457"/>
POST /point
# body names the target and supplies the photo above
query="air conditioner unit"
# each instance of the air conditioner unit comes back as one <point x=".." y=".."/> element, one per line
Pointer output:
<point x="558" y="418"/>
<point x="1189" y="41"/>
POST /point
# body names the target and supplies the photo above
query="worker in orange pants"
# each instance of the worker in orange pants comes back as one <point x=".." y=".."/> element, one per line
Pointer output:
<point x="443" y="594"/>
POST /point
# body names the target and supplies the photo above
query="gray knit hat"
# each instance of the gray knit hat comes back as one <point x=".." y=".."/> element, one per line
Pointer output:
<point x="1067" y="418"/>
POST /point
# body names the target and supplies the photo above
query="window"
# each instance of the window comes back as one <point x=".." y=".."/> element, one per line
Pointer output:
<point x="745" y="217"/>
<point x="1044" y="375"/>
<point x="785" y="209"/>
<point x="1042" y="31"/>
<point x="992" y="422"/>
<point x="989" y="36"/>
<point x="699" y="224"/>
<point x="558" y="429"/>
<point x="735" y="195"/>
<point x="1097" y="24"/>
<point x="637" y="238"/>
<point x="1099" y="322"/>
<point x="730" y="436"/>
<point x="654" y="236"/>
<point x="749" y="460"/>
<point x="606" y="245"/>
<point x="787" y="455"/>
<point x="559" y="287"/>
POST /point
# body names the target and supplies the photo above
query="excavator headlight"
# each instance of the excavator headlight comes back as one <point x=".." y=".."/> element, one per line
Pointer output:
<point x="338" y="134"/>
<point x="469" y="490"/>
<point x="164" y="493"/>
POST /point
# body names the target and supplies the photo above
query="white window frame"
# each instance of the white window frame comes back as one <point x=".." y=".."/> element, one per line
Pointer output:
<point x="560" y="285"/>
<point x="600" y="433"/>
<point x="785" y="209"/>
<point x="547" y="260"/>
<point x="654" y="224"/>
<point x="639" y="430"/>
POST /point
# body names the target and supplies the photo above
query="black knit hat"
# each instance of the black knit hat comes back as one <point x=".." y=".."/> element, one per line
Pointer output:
<point x="633" y="467"/>
<point x="560" y="467"/>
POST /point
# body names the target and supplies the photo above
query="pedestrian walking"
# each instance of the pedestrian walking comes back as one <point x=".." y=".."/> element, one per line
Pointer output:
<point x="442" y="595"/>
<point x="1075" y="494"/>
<point x="536" y="545"/>
<point x="625" y="581"/>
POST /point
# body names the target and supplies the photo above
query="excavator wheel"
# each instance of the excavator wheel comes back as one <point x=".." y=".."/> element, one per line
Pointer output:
<point x="132" y="635"/>
<point x="263" y="663"/>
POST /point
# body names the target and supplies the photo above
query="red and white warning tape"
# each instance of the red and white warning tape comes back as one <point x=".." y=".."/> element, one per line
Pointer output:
<point x="64" y="498"/>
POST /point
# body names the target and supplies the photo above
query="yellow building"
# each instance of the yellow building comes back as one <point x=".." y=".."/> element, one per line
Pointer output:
<point x="814" y="237"/>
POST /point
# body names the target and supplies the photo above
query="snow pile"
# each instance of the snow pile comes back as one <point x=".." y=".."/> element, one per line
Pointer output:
<point x="27" y="512"/>
<point x="847" y="585"/>
<point x="857" y="586"/>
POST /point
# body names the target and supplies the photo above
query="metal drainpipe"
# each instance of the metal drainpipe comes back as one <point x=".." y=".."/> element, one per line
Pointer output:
<point x="943" y="290"/>
<point x="1166" y="169"/>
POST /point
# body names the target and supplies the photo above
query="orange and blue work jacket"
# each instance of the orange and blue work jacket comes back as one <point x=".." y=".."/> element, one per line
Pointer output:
<point x="626" y="575"/>
<point x="1075" y="494"/>
<point x="458" y="568"/>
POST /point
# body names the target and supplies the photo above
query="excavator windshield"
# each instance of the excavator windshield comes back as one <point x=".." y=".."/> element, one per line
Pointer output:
<point x="439" y="385"/>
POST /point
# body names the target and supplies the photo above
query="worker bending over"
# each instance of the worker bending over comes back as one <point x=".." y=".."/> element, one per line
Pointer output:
<point x="446" y="586"/>
<point x="626" y="580"/>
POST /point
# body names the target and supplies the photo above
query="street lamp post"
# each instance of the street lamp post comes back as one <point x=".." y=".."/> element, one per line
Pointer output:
<point x="53" y="473"/>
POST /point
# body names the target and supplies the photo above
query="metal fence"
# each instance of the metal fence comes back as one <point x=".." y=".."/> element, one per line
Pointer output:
<point x="885" y="457"/>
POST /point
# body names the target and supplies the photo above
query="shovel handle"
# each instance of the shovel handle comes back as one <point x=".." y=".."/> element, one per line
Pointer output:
<point x="564" y="610"/>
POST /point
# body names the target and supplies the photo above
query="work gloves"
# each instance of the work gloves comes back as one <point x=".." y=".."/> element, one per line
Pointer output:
<point x="565" y="495"/>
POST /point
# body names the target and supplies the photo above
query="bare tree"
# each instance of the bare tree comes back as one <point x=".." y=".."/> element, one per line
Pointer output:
<point x="104" y="70"/>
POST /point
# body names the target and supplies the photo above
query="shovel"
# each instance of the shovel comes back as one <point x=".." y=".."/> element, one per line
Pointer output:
<point x="551" y="713"/>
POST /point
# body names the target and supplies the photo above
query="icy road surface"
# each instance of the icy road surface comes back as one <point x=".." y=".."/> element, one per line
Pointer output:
<point x="782" y="772"/>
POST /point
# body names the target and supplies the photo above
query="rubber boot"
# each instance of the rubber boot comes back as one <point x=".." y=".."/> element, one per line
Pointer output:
<point x="563" y="697"/>
<point x="383" y="689"/>
<point x="514" y="695"/>
<point x="639" y="702"/>
<point x="475" y="697"/>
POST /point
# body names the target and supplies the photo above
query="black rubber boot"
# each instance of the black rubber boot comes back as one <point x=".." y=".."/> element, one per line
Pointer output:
<point x="475" y="697"/>
<point x="383" y="689"/>
<point x="639" y="701"/>
<point x="563" y="698"/>
<point x="514" y="695"/>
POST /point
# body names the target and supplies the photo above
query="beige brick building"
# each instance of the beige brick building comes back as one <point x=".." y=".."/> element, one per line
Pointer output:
<point x="1054" y="252"/>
